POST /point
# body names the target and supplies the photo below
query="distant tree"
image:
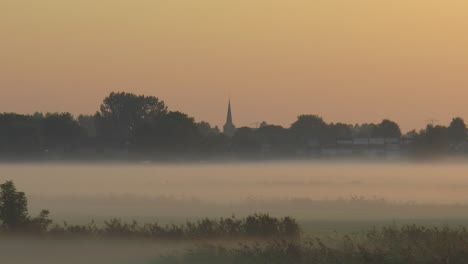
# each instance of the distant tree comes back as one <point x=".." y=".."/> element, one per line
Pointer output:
<point x="309" y="127"/>
<point x="37" y="117"/>
<point x="28" y="134"/>
<point x="387" y="129"/>
<point x="20" y="133"/>
<point x="364" y="130"/>
<point x="263" y="124"/>
<point x="276" y="137"/>
<point x="205" y="129"/>
<point x="61" y="130"/>
<point x="212" y="140"/>
<point x="245" y="140"/>
<point x="457" y="130"/>
<point x="13" y="207"/>
<point x="87" y="123"/>
<point x="340" y="130"/>
<point x="272" y="133"/>
<point x="432" y="140"/>
<point x="174" y="130"/>
<point x="121" y="113"/>
<point x="411" y="134"/>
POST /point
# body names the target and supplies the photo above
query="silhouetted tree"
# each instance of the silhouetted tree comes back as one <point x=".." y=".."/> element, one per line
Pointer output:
<point x="61" y="130"/>
<point x="174" y="130"/>
<point x="13" y="207"/>
<point x="387" y="129"/>
<point x="263" y="124"/>
<point x="277" y="138"/>
<point x="212" y="140"/>
<point x="339" y="130"/>
<point x="121" y="113"/>
<point x="364" y="130"/>
<point x="309" y="127"/>
<point x="245" y="140"/>
<point x="87" y="122"/>
<point x="457" y="130"/>
<point x="20" y="133"/>
<point x="206" y="130"/>
<point x="432" y="140"/>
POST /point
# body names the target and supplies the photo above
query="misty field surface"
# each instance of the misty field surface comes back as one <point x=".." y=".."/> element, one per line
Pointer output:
<point x="309" y="191"/>
<point x="24" y="251"/>
<point x="330" y="200"/>
<point x="147" y="191"/>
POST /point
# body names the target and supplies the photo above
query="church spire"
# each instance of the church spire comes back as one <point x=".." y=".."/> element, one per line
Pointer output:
<point x="229" y="114"/>
<point x="229" y="128"/>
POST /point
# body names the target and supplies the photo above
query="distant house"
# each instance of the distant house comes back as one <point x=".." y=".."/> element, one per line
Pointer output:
<point x="364" y="147"/>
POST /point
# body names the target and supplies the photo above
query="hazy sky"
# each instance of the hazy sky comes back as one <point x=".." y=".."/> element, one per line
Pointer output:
<point x="347" y="60"/>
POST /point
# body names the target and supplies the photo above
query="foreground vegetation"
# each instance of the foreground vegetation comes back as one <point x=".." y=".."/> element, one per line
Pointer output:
<point x="266" y="239"/>
<point x="258" y="226"/>
<point x="388" y="245"/>
<point x="15" y="220"/>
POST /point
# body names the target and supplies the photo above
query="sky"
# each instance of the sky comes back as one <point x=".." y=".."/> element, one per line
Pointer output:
<point x="347" y="61"/>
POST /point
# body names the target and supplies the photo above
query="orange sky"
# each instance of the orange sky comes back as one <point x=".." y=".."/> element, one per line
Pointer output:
<point x="352" y="61"/>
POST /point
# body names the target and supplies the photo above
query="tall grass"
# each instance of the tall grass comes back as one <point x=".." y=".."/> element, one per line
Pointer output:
<point x="389" y="245"/>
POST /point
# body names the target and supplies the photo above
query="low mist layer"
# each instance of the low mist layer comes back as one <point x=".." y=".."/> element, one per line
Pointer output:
<point x="307" y="190"/>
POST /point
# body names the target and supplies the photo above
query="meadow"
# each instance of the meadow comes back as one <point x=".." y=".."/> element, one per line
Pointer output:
<point x="76" y="192"/>
<point x="388" y="245"/>
<point x="313" y="212"/>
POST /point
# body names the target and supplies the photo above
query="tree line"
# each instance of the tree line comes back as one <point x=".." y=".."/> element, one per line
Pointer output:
<point x="128" y="124"/>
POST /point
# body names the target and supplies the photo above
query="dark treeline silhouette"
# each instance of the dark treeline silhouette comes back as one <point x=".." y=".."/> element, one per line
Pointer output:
<point x="129" y="125"/>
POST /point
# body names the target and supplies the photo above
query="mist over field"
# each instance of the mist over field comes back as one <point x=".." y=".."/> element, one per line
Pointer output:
<point x="308" y="190"/>
<point x="22" y="251"/>
<point x="325" y="197"/>
<point x="233" y="132"/>
<point x="328" y="199"/>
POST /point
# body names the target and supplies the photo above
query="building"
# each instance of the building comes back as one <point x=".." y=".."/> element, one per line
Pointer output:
<point x="390" y="148"/>
<point x="229" y="128"/>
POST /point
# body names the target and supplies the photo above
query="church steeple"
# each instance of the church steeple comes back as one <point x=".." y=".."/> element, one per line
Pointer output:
<point x="229" y="114"/>
<point x="229" y="127"/>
